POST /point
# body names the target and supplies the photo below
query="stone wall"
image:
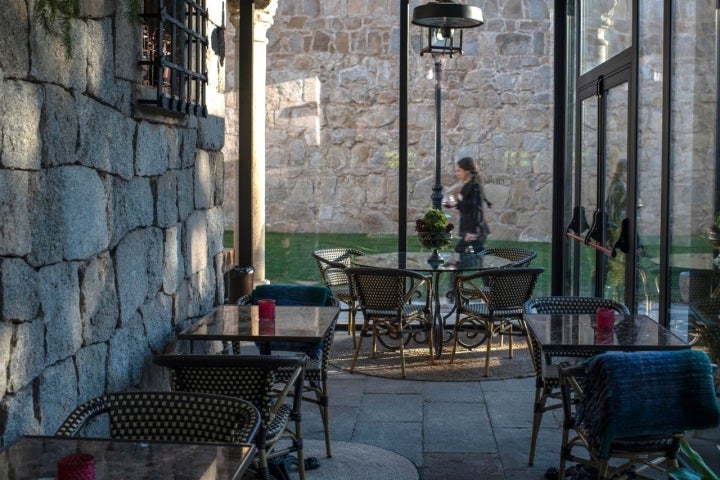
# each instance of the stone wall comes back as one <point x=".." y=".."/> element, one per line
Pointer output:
<point x="110" y="217"/>
<point x="332" y="117"/>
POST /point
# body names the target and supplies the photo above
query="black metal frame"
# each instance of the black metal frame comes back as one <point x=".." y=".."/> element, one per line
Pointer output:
<point x="176" y="63"/>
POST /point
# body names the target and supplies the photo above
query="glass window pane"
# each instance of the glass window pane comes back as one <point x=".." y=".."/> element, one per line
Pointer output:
<point x="588" y="188"/>
<point x="615" y="187"/>
<point x="605" y="31"/>
<point x="649" y="156"/>
<point x="692" y="157"/>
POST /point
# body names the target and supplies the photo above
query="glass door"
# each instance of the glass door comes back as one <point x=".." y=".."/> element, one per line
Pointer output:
<point x="601" y="187"/>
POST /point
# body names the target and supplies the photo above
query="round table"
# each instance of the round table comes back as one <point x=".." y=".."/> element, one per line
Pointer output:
<point x="419" y="262"/>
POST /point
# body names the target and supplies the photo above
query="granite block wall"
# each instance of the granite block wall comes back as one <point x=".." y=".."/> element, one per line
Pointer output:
<point x="110" y="214"/>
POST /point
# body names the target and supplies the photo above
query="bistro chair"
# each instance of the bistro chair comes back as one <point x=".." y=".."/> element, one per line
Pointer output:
<point x="547" y="378"/>
<point x="623" y="409"/>
<point x="519" y="257"/>
<point x="316" y="369"/>
<point x="707" y="315"/>
<point x="332" y="263"/>
<point x="490" y="302"/>
<point x="262" y="380"/>
<point x="164" y="416"/>
<point x="385" y="297"/>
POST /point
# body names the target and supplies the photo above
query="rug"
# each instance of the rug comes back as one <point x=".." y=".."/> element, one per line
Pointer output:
<point x="357" y="461"/>
<point x="469" y="365"/>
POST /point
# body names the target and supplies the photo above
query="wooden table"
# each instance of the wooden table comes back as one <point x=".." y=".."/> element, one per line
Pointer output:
<point x="571" y="335"/>
<point x="418" y="262"/>
<point x="232" y="323"/>
<point x="35" y="458"/>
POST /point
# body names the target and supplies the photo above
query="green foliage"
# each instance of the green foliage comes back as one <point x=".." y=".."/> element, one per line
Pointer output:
<point x="699" y="470"/>
<point x="55" y="17"/>
<point x="434" y="220"/>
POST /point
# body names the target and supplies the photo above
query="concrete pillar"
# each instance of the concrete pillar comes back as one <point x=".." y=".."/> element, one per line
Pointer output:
<point x="252" y="65"/>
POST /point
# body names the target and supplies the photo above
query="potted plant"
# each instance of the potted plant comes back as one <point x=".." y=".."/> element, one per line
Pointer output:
<point x="434" y="231"/>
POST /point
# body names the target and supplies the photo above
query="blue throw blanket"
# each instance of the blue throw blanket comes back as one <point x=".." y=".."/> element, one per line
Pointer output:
<point x="290" y="294"/>
<point x="647" y="393"/>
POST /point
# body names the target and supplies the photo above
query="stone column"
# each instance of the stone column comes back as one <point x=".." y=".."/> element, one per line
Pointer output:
<point x="250" y="204"/>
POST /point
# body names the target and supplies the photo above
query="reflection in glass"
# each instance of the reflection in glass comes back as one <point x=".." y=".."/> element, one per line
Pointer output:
<point x="605" y="30"/>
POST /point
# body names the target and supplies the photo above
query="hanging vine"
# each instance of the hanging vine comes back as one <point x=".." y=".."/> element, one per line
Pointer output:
<point x="55" y="16"/>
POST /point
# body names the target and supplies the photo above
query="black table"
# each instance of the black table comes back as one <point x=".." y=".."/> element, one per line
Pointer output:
<point x="419" y="262"/>
<point x="572" y="335"/>
<point x="36" y="458"/>
<point x="234" y="323"/>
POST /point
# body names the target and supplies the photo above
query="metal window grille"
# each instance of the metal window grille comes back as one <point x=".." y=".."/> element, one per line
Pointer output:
<point x="174" y="47"/>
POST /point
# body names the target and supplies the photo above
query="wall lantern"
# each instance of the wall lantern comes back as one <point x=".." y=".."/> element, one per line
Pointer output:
<point x="445" y="21"/>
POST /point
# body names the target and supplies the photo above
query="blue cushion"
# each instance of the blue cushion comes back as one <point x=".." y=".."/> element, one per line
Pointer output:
<point x="291" y="294"/>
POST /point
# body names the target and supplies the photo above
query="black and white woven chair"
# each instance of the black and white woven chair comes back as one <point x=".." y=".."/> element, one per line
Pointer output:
<point x="519" y="257"/>
<point x="547" y="378"/>
<point x="490" y="302"/>
<point x="385" y="296"/>
<point x="624" y="409"/>
<point x="316" y="369"/>
<point x="332" y="263"/>
<point x="164" y="416"/>
<point x="273" y="384"/>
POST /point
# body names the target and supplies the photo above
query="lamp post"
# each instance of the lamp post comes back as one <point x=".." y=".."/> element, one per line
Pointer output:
<point x="445" y="21"/>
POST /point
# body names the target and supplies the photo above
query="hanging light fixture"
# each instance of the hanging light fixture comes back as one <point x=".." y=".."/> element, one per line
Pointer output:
<point x="445" y="21"/>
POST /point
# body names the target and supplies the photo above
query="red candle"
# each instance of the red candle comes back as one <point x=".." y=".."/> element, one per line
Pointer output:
<point x="78" y="466"/>
<point x="605" y="319"/>
<point x="266" y="307"/>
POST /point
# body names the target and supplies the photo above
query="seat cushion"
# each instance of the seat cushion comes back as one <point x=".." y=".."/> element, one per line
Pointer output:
<point x="291" y="294"/>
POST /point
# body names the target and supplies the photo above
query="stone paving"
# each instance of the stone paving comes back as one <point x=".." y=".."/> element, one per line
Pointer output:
<point x="453" y="430"/>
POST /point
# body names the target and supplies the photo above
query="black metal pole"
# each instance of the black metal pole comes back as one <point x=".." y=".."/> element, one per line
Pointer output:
<point x="403" y="121"/>
<point x="437" y="188"/>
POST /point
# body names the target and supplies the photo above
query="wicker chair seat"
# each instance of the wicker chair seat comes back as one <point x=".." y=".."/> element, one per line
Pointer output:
<point x="167" y="417"/>
<point x="410" y="312"/>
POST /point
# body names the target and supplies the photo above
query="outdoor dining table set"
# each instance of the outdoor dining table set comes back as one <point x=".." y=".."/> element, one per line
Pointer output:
<point x="226" y="414"/>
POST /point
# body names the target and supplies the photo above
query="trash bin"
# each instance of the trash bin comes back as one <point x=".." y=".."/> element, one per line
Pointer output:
<point x="238" y="282"/>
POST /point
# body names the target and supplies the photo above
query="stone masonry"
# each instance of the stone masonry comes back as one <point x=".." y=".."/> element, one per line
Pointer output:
<point x="110" y="215"/>
<point x="332" y="117"/>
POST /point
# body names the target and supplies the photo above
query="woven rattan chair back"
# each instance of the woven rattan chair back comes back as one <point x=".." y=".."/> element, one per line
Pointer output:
<point x="503" y="290"/>
<point x="491" y="302"/>
<point x="706" y="313"/>
<point x="385" y="296"/>
<point x="165" y="416"/>
<point x="316" y="369"/>
<point x="332" y="263"/>
<point x="623" y="409"/>
<point x="253" y="378"/>
<point x="574" y="305"/>
<point x="547" y="379"/>
<point x="519" y="257"/>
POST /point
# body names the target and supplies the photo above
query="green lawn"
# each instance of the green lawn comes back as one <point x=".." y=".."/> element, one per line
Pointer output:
<point x="288" y="256"/>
